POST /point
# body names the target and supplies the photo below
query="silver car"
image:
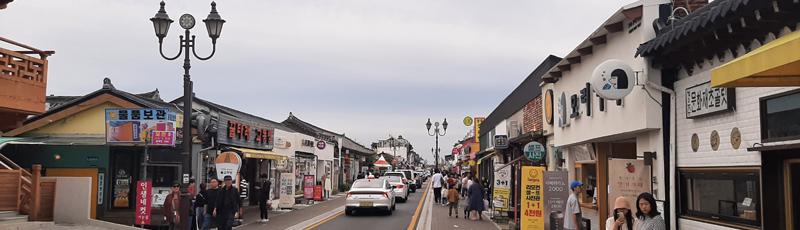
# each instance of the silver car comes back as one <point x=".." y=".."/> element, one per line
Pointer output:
<point x="370" y="194"/>
<point x="401" y="190"/>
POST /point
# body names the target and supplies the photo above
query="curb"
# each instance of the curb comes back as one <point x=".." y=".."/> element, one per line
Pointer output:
<point x="426" y="216"/>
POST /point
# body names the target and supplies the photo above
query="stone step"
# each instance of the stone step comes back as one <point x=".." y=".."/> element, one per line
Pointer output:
<point x="14" y="219"/>
<point x="27" y="225"/>
<point x="8" y="213"/>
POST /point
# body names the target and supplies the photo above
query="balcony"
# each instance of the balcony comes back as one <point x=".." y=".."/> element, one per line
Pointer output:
<point x="23" y="83"/>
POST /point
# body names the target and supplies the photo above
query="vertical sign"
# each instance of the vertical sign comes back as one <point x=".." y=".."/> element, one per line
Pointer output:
<point x="502" y="188"/>
<point x="101" y="187"/>
<point x="478" y="121"/>
<point x="318" y="192"/>
<point x="143" y="196"/>
<point x="627" y="178"/>
<point x="287" y="190"/>
<point x="308" y="186"/>
<point x="531" y="202"/>
<point x="556" y="193"/>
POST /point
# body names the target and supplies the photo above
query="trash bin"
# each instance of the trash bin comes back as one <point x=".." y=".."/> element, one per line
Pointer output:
<point x="556" y="220"/>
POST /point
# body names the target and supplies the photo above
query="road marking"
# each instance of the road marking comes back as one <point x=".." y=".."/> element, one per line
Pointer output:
<point x="419" y="207"/>
<point x="326" y="220"/>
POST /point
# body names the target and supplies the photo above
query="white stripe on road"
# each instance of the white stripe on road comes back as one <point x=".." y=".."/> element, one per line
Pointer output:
<point x="316" y="219"/>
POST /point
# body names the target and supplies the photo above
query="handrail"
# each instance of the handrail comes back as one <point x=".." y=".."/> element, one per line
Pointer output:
<point x="43" y="54"/>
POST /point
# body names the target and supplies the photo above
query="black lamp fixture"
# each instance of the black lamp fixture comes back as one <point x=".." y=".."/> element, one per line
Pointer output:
<point x="214" y="23"/>
<point x="436" y="133"/>
<point x="161" y="23"/>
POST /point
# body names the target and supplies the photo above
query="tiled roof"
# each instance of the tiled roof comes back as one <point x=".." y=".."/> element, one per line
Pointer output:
<point x="238" y="114"/>
<point x="346" y="141"/>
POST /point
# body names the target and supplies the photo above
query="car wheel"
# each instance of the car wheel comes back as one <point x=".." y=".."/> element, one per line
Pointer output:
<point x="413" y="190"/>
<point x="393" y="207"/>
<point x="348" y="212"/>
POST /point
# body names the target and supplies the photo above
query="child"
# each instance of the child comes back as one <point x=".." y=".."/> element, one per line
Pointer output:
<point x="445" y="192"/>
<point x="452" y="196"/>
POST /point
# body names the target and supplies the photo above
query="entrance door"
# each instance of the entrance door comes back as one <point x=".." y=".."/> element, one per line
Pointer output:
<point x="792" y="186"/>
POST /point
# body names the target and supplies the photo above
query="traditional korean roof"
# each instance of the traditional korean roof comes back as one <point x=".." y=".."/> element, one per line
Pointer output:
<point x="307" y="128"/>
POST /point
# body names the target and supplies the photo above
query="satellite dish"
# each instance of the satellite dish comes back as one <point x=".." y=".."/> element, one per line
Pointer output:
<point x="613" y="79"/>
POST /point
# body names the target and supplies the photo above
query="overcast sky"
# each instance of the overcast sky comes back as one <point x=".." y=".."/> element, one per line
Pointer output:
<point x="364" y="68"/>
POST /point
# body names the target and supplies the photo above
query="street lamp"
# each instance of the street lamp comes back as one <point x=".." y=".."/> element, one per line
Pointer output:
<point x="161" y="23"/>
<point x="436" y="133"/>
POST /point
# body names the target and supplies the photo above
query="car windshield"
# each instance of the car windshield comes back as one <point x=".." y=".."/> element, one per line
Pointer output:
<point x="408" y="174"/>
<point x="394" y="179"/>
<point x="394" y="174"/>
<point x="368" y="184"/>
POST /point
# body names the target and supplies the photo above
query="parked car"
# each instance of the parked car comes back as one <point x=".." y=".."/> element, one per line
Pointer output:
<point x="414" y="181"/>
<point x="370" y="194"/>
<point x="401" y="190"/>
<point x="422" y="175"/>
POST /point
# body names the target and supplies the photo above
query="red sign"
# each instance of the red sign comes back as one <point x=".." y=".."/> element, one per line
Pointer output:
<point x="143" y="198"/>
<point x="163" y="138"/>
<point x="321" y="145"/>
<point x="455" y="151"/>
<point x="308" y="186"/>
<point x="318" y="192"/>
<point x="242" y="132"/>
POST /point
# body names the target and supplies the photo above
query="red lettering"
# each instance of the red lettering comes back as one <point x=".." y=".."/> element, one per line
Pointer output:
<point x="231" y="129"/>
<point x="239" y="128"/>
<point x="246" y="133"/>
<point x="258" y="135"/>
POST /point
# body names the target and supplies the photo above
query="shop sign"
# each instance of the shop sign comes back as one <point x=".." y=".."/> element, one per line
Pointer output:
<point x="532" y="216"/>
<point x="308" y="186"/>
<point x="613" y="79"/>
<point x="627" y="178"/>
<point x="478" y="121"/>
<point x="556" y="193"/>
<point x="467" y="121"/>
<point x="318" y="192"/>
<point x="286" y="190"/>
<point x="703" y="100"/>
<point x="245" y="133"/>
<point x="548" y="106"/>
<point x="280" y="142"/>
<point x="321" y="145"/>
<point x="143" y="198"/>
<point x="307" y="143"/>
<point x="163" y="138"/>
<point x="500" y="141"/>
<point x="534" y="151"/>
<point x="502" y="188"/>
<point x="228" y="164"/>
<point x="136" y="125"/>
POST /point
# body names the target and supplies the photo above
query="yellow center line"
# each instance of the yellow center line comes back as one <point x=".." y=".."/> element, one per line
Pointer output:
<point x="326" y="220"/>
<point x="419" y="208"/>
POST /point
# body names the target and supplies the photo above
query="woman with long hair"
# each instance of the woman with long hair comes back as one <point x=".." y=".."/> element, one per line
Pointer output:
<point x="622" y="218"/>
<point x="475" y="194"/>
<point x="649" y="218"/>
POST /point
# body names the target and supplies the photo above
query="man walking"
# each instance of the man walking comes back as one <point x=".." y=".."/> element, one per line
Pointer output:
<point x="263" y="197"/>
<point x="208" y="208"/>
<point x="465" y="185"/>
<point x="573" y="215"/>
<point x="437" y="186"/>
<point x="227" y="204"/>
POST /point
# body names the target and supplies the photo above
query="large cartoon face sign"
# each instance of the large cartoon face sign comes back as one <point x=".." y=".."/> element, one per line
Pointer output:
<point x="612" y="79"/>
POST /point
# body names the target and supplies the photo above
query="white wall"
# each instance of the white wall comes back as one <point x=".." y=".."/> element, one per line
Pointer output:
<point x="73" y="199"/>
<point x="500" y="128"/>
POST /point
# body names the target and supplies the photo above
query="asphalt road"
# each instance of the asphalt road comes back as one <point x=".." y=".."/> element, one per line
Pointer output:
<point x="400" y="219"/>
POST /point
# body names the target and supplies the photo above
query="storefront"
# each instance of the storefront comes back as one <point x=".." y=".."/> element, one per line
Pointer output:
<point x="253" y="142"/>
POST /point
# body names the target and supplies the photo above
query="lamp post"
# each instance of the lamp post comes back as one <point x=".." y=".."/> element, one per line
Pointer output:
<point x="161" y="23"/>
<point x="436" y="133"/>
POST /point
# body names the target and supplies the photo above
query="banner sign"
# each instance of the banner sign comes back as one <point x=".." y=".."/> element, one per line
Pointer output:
<point x="137" y="125"/>
<point x="502" y="178"/>
<point x="228" y="164"/>
<point x="308" y="186"/>
<point x="236" y="132"/>
<point x="556" y="193"/>
<point x="287" y="190"/>
<point x="702" y="99"/>
<point x="478" y="121"/>
<point x="502" y="188"/>
<point x="143" y="198"/>
<point x="163" y="138"/>
<point x="531" y="202"/>
<point x="627" y="178"/>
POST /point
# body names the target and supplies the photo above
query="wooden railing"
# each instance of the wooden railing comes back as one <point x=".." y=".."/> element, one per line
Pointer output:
<point x="23" y="78"/>
<point x="29" y="193"/>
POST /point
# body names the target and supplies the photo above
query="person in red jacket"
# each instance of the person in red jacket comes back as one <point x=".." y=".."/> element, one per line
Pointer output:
<point x="172" y="204"/>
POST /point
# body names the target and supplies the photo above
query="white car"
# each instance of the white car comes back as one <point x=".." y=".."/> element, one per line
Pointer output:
<point x="413" y="180"/>
<point x="370" y="194"/>
<point x="401" y="190"/>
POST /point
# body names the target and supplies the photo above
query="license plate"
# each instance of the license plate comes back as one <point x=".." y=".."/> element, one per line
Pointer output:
<point x="366" y="204"/>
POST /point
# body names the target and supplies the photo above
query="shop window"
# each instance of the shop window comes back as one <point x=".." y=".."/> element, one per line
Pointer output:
<point x="586" y="173"/>
<point x="721" y="195"/>
<point x="779" y="117"/>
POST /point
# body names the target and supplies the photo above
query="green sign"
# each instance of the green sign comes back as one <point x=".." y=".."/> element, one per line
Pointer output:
<point x="534" y="151"/>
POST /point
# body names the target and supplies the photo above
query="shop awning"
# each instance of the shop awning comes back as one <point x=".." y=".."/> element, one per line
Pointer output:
<point x="775" y="64"/>
<point x="488" y="155"/>
<point x="252" y="153"/>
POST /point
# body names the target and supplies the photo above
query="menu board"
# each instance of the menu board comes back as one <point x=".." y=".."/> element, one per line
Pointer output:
<point x="286" y="190"/>
<point x="308" y="186"/>
<point x="556" y="193"/>
<point x="121" y="191"/>
<point x="531" y="201"/>
<point x="627" y="178"/>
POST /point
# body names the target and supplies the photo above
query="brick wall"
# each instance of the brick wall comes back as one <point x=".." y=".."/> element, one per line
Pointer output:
<point x="532" y="115"/>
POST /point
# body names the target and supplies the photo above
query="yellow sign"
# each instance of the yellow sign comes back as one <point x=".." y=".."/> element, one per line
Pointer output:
<point x="472" y="163"/>
<point x="532" y="216"/>
<point x="502" y="195"/>
<point x="478" y="121"/>
<point x="468" y="121"/>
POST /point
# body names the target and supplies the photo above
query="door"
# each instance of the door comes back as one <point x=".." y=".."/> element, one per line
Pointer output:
<point x="792" y="189"/>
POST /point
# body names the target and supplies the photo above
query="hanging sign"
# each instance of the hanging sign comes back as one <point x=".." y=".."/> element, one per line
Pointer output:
<point x="531" y="202"/>
<point x="321" y="145"/>
<point x="613" y="79"/>
<point x="534" y="151"/>
<point x="286" y="190"/>
<point x="556" y="193"/>
<point x="468" y="121"/>
<point x="548" y="106"/>
<point x="143" y="198"/>
<point x="500" y="141"/>
<point x="502" y="188"/>
<point x="703" y="100"/>
<point x="228" y="164"/>
<point x="478" y="121"/>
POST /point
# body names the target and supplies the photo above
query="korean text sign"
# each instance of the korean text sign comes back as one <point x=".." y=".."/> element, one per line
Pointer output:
<point x="248" y="134"/>
<point x="502" y="187"/>
<point x="287" y="190"/>
<point x="143" y="198"/>
<point x="531" y="199"/>
<point x="627" y="178"/>
<point x="556" y="193"/>
<point x="308" y="186"/>
<point x="137" y="125"/>
<point x="163" y="138"/>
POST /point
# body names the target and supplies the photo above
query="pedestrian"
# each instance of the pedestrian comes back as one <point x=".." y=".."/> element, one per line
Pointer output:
<point x="437" y="186"/>
<point x="622" y="219"/>
<point x="475" y="194"/>
<point x="263" y="197"/>
<point x="208" y="208"/>
<point x="360" y="176"/>
<point x="445" y="178"/>
<point x="192" y="215"/>
<point x="452" y="196"/>
<point x="487" y="186"/>
<point x="465" y="184"/>
<point x="573" y="217"/>
<point x="199" y="204"/>
<point x="649" y="218"/>
<point x="227" y="204"/>
<point x="458" y="185"/>
<point x="172" y="205"/>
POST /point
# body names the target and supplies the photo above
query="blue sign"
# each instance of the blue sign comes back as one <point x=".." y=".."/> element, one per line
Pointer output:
<point x="534" y="151"/>
<point x="500" y="141"/>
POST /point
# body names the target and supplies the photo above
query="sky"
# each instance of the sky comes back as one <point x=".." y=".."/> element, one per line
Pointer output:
<point x="364" y="68"/>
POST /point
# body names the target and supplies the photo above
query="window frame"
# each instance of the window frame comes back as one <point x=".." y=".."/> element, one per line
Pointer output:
<point x="682" y="194"/>
<point x="762" y="105"/>
<point x="583" y="178"/>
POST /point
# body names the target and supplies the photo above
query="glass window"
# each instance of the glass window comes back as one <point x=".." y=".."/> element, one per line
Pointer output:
<point x="727" y="195"/>
<point x="586" y="173"/>
<point x="369" y="184"/>
<point x="779" y="117"/>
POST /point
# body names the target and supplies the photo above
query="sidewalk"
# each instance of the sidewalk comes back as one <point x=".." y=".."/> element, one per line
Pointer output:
<point x="440" y="220"/>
